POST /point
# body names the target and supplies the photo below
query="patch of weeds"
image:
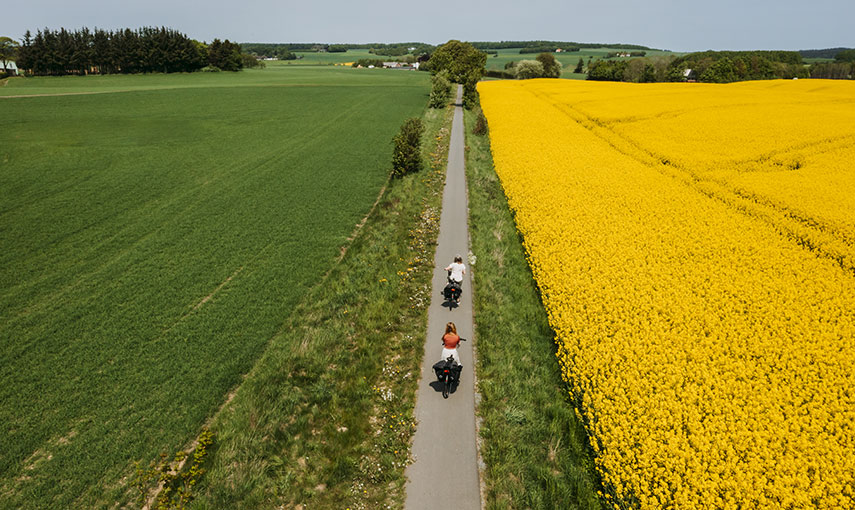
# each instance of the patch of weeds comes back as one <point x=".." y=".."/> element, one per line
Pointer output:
<point x="172" y="485"/>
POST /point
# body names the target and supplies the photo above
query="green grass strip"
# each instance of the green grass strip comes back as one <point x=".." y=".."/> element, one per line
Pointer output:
<point x="535" y="448"/>
<point x="325" y="418"/>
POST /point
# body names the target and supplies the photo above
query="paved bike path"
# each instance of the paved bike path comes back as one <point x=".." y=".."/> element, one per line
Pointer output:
<point x="445" y="471"/>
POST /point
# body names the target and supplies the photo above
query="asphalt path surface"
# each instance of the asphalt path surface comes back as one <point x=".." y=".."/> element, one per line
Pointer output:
<point x="445" y="468"/>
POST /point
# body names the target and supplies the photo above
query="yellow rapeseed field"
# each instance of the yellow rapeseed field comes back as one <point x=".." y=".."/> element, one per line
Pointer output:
<point x="695" y="247"/>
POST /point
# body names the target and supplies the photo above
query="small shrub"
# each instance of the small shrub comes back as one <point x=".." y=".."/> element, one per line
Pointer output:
<point x="251" y="61"/>
<point x="440" y="90"/>
<point x="407" y="157"/>
<point x="480" y="128"/>
<point x="527" y="69"/>
<point x="471" y="99"/>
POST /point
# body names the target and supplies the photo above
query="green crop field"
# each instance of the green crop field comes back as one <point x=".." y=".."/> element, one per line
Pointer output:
<point x="816" y="60"/>
<point x="276" y="75"/>
<point x="155" y="233"/>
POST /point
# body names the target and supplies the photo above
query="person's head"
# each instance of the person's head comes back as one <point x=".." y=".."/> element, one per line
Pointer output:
<point x="450" y="328"/>
<point x="458" y="259"/>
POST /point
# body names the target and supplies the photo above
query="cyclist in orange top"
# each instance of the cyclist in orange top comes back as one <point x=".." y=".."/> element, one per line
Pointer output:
<point x="449" y="343"/>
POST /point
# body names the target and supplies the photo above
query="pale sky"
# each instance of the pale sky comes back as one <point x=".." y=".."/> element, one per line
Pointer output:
<point x="680" y="25"/>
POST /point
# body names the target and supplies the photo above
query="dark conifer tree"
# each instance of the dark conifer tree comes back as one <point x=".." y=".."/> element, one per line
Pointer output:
<point x="25" y="52"/>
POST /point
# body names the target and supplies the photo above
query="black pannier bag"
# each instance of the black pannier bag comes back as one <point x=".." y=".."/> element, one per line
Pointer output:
<point x="452" y="291"/>
<point x="453" y="368"/>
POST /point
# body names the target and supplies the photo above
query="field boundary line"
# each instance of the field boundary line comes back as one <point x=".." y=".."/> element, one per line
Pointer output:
<point x="93" y="92"/>
<point x="209" y="296"/>
<point x="358" y="228"/>
<point x="204" y="300"/>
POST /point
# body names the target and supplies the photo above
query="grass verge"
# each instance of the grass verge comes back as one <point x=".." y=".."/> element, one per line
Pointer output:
<point x="325" y="418"/>
<point x="536" y="450"/>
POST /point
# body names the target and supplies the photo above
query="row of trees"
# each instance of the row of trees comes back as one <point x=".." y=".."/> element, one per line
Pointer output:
<point x="261" y="50"/>
<point x="544" y="66"/>
<point x="145" y="50"/>
<point x="707" y="66"/>
<point x="285" y="51"/>
<point x="833" y="70"/>
<point x="548" y="48"/>
<point x="640" y="70"/>
<point x="828" y="53"/>
<point x="730" y="66"/>
<point x="497" y="45"/>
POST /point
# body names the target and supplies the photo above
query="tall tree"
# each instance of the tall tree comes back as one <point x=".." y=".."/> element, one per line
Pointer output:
<point x="551" y="67"/>
<point x="464" y="64"/>
<point x="101" y="57"/>
<point x="8" y="50"/>
<point x="24" y="57"/>
<point x="225" y="55"/>
<point x="845" y="56"/>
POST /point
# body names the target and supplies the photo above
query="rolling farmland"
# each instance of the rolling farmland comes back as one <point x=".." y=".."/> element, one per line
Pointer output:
<point x="693" y="245"/>
<point x="156" y="231"/>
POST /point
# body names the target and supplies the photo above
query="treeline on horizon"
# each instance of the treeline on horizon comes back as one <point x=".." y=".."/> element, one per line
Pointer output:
<point x="719" y="67"/>
<point x="125" y="51"/>
<point x="827" y="53"/>
<point x="564" y="45"/>
<point x="285" y="51"/>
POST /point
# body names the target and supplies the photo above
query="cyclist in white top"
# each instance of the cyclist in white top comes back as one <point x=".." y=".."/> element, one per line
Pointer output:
<point x="457" y="269"/>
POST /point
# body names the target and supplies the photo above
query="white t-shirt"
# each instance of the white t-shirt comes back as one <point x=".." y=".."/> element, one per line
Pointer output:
<point x="457" y="271"/>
